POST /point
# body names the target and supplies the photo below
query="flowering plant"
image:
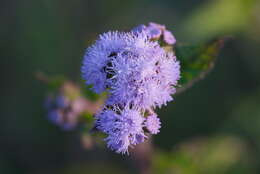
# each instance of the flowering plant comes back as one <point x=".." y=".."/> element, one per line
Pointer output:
<point x="138" y="71"/>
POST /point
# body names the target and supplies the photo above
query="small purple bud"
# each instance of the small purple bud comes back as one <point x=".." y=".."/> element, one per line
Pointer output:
<point x="168" y="37"/>
<point x="153" y="124"/>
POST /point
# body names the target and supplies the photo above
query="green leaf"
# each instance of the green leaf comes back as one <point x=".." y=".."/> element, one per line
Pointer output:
<point x="196" y="60"/>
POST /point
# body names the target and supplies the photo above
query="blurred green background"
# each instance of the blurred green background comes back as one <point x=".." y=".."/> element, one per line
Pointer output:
<point x="214" y="127"/>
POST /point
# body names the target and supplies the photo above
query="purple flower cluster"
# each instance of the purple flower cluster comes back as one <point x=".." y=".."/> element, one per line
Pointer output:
<point x="65" y="106"/>
<point x="138" y="74"/>
<point x="61" y="112"/>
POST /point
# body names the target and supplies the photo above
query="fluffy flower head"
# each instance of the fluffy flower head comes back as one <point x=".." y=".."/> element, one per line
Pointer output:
<point x="132" y="68"/>
<point x="138" y="74"/>
<point x="124" y="128"/>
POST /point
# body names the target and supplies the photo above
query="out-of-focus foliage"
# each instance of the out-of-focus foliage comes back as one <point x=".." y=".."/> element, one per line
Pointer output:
<point x="196" y="60"/>
<point x="218" y="17"/>
<point x="245" y="119"/>
<point x="219" y="155"/>
<point x="247" y="116"/>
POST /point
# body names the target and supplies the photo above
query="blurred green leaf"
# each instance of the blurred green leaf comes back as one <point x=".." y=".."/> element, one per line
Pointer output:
<point x="221" y="154"/>
<point x="196" y="60"/>
<point x="219" y="17"/>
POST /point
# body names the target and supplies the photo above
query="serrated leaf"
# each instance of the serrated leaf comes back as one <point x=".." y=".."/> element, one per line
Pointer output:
<point x="196" y="60"/>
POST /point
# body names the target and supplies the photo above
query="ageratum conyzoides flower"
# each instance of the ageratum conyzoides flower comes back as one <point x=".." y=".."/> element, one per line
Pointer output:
<point x="138" y="74"/>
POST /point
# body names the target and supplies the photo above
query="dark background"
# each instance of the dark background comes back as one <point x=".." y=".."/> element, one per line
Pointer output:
<point x="51" y="35"/>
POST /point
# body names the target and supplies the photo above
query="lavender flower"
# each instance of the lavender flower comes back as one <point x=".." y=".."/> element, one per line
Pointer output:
<point x="97" y="58"/>
<point x="61" y="113"/>
<point x="65" y="120"/>
<point x="153" y="124"/>
<point x="65" y="107"/>
<point x="124" y="128"/>
<point x="132" y="70"/>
